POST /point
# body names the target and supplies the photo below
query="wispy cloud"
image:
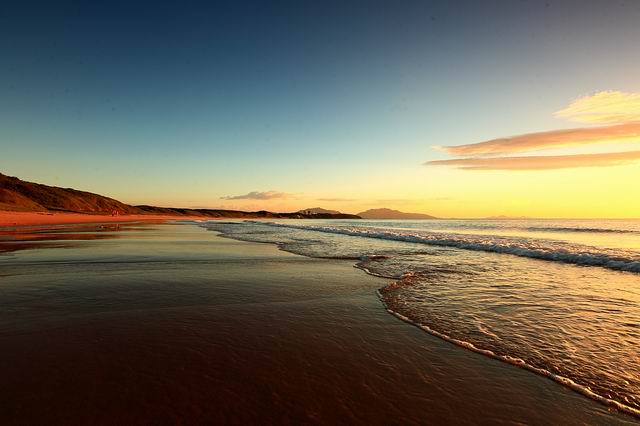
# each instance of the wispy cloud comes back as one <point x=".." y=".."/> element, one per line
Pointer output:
<point x="618" y="113"/>
<point x="336" y="200"/>
<point x="551" y="139"/>
<point x="255" y="195"/>
<point x="603" y="108"/>
<point x="540" y="162"/>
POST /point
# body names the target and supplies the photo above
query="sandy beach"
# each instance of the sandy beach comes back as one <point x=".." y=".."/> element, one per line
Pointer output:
<point x="170" y="324"/>
<point x="12" y="218"/>
<point x="319" y="213"/>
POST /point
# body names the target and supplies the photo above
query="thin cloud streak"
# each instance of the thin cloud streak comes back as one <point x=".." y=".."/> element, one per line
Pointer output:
<point x="541" y="162"/>
<point x="603" y="108"/>
<point x="255" y="195"/>
<point x="550" y="139"/>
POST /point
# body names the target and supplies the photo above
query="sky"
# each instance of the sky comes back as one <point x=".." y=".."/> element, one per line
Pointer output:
<point x="450" y="108"/>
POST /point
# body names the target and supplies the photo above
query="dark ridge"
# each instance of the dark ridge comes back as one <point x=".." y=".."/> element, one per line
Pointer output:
<point x="392" y="214"/>
<point x="19" y="195"/>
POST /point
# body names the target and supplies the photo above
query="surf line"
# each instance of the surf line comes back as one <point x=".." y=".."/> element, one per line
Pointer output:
<point x="564" y="381"/>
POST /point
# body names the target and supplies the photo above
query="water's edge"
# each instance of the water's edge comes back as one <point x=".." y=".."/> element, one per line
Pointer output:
<point x="564" y="381"/>
<point x="517" y="362"/>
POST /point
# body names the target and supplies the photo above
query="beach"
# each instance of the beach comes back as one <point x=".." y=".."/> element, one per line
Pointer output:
<point x="13" y="218"/>
<point x="172" y="324"/>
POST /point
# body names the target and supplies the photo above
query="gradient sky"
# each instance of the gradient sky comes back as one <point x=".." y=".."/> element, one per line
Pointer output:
<point x="345" y="105"/>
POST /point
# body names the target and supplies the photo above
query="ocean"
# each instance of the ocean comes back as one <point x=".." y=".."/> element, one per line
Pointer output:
<point x="560" y="298"/>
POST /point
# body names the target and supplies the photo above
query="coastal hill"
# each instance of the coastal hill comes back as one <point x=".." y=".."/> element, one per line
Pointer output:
<point x="17" y="195"/>
<point x="318" y="210"/>
<point x="392" y="214"/>
<point x="174" y="211"/>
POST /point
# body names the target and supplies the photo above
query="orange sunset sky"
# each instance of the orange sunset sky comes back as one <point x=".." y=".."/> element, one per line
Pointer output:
<point x="463" y="109"/>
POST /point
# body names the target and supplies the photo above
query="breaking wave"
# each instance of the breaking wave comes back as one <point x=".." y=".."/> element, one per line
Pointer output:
<point x="557" y="251"/>
<point x="576" y="326"/>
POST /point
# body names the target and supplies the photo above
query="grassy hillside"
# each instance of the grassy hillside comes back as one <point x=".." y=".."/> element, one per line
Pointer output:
<point x="19" y="195"/>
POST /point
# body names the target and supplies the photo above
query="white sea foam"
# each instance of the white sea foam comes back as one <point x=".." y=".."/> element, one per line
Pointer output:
<point x="557" y="251"/>
<point x="436" y="290"/>
<point x="565" y="381"/>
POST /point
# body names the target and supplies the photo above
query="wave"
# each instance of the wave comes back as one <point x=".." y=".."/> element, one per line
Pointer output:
<point x="557" y="251"/>
<point x="570" y="229"/>
<point x="625" y="227"/>
<point x="579" y="229"/>
<point x="393" y="265"/>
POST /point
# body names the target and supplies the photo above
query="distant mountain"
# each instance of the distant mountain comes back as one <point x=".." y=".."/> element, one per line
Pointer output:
<point x="392" y="214"/>
<point x="320" y="213"/>
<point x="318" y="210"/>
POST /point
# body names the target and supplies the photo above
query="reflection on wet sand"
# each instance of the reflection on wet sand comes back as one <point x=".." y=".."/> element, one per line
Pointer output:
<point x="60" y="236"/>
<point x="173" y="325"/>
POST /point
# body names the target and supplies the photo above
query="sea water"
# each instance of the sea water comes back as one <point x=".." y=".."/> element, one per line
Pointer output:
<point x="560" y="298"/>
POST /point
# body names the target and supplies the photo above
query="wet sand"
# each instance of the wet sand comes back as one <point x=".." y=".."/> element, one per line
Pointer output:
<point x="11" y="218"/>
<point x="170" y="324"/>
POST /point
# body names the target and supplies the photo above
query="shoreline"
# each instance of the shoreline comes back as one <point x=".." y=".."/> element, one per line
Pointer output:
<point x="10" y="219"/>
<point x="202" y="329"/>
<point x="561" y="380"/>
<point x="565" y="382"/>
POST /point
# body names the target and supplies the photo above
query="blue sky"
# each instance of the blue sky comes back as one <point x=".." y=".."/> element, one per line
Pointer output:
<point x="182" y="104"/>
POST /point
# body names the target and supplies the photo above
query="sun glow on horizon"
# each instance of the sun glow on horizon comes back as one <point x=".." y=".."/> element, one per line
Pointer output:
<point x="534" y="107"/>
